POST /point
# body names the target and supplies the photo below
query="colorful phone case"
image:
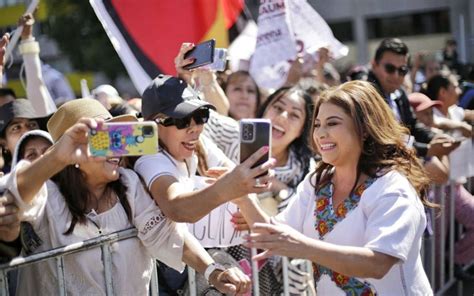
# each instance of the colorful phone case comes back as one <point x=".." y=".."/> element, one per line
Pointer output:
<point x="124" y="139"/>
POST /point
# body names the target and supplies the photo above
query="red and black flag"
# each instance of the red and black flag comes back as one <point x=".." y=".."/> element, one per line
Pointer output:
<point x="147" y="34"/>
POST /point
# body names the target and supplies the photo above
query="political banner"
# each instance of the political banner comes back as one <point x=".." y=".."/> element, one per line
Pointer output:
<point x="287" y="28"/>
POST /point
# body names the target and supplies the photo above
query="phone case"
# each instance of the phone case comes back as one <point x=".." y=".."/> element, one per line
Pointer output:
<point x="124" y="139"/>
<point x="203" y="53"/>
<point x="254" y="134"/>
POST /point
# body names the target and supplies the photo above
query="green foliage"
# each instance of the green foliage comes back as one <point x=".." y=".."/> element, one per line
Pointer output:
<point x="81" y="37"/>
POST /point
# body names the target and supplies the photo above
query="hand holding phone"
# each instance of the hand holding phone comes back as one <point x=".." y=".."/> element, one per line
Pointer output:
<point x="124" y="139"/>
<point x="203" y="54"/>
<point x="254" y="134"/>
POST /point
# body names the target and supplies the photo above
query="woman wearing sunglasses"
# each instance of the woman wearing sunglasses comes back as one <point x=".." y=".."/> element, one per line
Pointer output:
<point x="178" y="176"/>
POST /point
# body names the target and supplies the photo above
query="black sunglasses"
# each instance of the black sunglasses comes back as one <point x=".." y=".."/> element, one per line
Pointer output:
<point x="200" y="116"/>
<point x="390" y="69"/>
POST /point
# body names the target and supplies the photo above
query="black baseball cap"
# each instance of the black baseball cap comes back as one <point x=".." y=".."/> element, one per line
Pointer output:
<point x="18" y="108"/>
<point x="171" y="96"/>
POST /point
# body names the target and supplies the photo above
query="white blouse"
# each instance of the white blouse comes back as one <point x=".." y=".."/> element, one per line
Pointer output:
<point x="214" y="229"/>
<point x="389" y="219"/>
<point x="132" y="259"/>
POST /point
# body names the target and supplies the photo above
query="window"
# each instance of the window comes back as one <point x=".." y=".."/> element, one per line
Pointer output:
<point x="342" y="31"/>
<point x="412" y="24"/>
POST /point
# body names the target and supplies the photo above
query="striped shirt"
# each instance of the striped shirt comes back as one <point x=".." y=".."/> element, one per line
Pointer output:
<point x="225" y="133"/>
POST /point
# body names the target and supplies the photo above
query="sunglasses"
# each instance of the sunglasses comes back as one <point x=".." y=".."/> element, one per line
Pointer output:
<point x="390" y="69"/>
<point x="200" y="116"/>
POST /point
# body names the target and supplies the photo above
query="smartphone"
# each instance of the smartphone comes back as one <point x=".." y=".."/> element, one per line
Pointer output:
<point x="220" y="60"/>
<point x="254" y="134"/>
<point x="115" y="139"/>
<point x="203" y="53"/>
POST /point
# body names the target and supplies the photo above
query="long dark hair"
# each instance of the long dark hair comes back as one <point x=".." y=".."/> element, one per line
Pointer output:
<point x="301" y="145"/>
<point x="72" y="185"/>
<point x="382" y="136"/>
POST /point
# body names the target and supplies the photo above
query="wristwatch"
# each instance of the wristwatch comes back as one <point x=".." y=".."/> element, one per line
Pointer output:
<point x="210" y="269"/>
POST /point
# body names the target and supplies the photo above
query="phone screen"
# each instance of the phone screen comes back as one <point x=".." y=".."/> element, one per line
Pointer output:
<point x="203" y="54"/>
<point x="254" y="134"/>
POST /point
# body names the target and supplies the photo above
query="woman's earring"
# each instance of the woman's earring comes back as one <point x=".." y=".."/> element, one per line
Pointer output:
<point x="76" y="165"/>
<point x="369" y="147"/>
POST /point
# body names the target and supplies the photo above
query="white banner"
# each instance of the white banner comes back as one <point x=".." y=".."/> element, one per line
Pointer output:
<point x="311" y="31"/>
<point x="285" y="28"/>
<point x="275" y="44"/>
<point x="215" y="229"/>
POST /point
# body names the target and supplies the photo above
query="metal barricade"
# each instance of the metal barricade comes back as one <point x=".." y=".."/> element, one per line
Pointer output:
<point x="438" y="250"/>
<point x="57" y="254"/>
<point x="104" y="242"/>
<point x="437" y="254"/>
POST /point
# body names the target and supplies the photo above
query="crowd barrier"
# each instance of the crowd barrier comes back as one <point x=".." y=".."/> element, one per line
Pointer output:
<point x="435" y="247"/>
<point x="439" y="249"/>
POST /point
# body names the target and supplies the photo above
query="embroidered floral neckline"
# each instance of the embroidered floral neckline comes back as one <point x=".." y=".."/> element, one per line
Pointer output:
<point x="326" y="216"/>
<point x="326" y="220"/>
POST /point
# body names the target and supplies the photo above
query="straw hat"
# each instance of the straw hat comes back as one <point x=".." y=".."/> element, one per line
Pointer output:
<point x="70" y="112"/>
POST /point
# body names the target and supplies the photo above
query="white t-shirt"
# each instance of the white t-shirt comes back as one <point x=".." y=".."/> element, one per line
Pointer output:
<point x="214" y="229"/>
<point x="460" y="159"/>
<point x="132" y="259"/>
<point x="389" y="219"/>
<point x="150" y="167"/>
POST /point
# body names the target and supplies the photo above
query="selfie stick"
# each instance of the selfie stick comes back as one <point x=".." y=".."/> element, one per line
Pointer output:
<point x="16" y="35"/>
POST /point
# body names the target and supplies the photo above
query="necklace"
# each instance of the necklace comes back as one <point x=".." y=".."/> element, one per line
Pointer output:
<point x="102" y="203"/>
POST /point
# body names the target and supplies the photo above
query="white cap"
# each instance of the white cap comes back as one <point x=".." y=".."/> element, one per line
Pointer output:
<point x="107" y="89"/>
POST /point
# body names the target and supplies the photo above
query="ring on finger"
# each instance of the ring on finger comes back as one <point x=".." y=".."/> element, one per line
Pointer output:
<point x="257" y="182"/>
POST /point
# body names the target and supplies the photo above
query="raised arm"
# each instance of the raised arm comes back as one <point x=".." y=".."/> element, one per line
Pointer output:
<point x="3" y="46"/>
<point x="206" y="82"/>
<point x="189" y="207"/>
<point x="70" y="149"/>
<point x="36" y="91"/>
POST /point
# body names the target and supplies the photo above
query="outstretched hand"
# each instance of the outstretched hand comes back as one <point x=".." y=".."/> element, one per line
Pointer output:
<point x="243" y="179"/>
<point x="239" y="222"/>
<point x="276" y="239"/>
<point x="441" y="145"/>
<point x="231" y="281"/>
<point x="72" y="147"/>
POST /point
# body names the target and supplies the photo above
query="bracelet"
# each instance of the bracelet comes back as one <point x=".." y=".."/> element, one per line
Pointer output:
<point x="211" y="268"/>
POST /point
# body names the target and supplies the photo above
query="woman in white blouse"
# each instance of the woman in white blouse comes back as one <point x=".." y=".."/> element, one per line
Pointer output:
<point x="88" y="197"/>
<point x="359" y="217"/>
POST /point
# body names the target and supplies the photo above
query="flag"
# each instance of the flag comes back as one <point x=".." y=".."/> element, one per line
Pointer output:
<point x="147" y="34"/>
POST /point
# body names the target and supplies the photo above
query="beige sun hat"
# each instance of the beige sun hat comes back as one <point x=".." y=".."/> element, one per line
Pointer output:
<point x="70" y="112"/>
